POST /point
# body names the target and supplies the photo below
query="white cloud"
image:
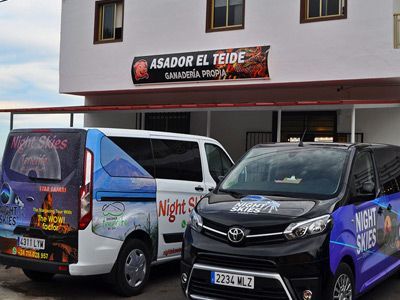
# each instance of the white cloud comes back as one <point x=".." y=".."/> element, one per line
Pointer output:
<point x="32" y="24"/>
<point x="29" y="53"/>
<point x="30" y="39"/>
<point x="42" y="74"/>
<point x="5" y="104"/>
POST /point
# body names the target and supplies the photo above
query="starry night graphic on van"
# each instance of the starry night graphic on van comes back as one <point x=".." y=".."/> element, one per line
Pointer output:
<point x="38" y="216"/>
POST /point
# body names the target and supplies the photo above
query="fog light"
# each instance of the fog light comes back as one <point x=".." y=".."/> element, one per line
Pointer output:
<point x="184" y="278"/>
<point x="307" y="295"/>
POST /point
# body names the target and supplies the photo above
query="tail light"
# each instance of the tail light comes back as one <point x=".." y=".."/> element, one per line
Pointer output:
<point x="86" y="192"/>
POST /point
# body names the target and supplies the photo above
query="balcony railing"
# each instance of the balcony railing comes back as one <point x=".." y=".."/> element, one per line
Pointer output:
<point x="397" y="30"/>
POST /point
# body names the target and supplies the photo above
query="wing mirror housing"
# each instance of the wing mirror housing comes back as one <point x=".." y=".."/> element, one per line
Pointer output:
<point x="365" y="193"/>
<point x="368" y="188"/>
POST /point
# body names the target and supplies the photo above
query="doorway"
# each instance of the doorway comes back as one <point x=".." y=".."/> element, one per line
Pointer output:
<point x="319" y="126"/>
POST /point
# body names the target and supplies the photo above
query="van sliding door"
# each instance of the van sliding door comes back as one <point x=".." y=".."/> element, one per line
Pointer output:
<point x="180" y="185"/>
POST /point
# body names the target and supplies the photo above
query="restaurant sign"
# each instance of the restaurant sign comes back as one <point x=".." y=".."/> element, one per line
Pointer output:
<point x="217" y="65"/>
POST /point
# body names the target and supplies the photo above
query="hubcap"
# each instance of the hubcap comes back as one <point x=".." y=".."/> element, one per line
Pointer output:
<point x="135" y="268"/>
<point x="343" y="289"/>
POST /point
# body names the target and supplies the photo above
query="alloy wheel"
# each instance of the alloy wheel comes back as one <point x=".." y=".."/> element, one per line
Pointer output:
<point x="343" y="289"/>
<point x="135" y="268"/>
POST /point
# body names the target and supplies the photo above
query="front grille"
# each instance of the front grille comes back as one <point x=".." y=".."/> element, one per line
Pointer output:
<point x="236" y="262"/>
<point x="265" y="239"/>
<point x="278" y="238"/>
<point x="265" y="288"/>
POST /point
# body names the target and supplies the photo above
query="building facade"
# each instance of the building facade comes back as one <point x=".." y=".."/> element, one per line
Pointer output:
<point x="330" y="68"/>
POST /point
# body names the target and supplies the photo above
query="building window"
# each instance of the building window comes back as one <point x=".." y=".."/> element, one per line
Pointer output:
<point x="397" y="31"/>
<point x="321" y="10"/>
<point x="171" y="122"/>
<point x="109" y="21"/>
<point x="225" y="15"/>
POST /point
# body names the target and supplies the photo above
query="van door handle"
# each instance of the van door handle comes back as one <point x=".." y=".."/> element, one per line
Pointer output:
<point x="199" y="188"/>
<point x="380" y="210"/>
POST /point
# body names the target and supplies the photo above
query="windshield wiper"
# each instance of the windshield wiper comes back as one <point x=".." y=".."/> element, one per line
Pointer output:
<point x="232" y="193"/>
<point x="277" y="195"/>
<point x="34" y="178"/>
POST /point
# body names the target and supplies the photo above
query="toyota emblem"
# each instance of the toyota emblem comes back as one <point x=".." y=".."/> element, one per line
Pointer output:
<point x="235" y="235"/>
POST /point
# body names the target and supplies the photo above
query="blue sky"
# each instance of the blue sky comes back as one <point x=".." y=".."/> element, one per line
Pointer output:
<point x="29" y="57"/>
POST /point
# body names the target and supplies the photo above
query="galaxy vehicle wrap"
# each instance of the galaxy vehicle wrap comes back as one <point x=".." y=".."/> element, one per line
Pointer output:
<point x="39" y="195"/>
<point x="116" y="214"/>
<point x="368" y="234"/>
<point x="244" y="231"/>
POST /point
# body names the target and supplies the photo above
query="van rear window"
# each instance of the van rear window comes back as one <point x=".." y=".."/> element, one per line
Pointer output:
<point x="50" y="156"/>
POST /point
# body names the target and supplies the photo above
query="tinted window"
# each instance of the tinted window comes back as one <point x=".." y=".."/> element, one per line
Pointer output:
<point x="108" y="21"/>
<point x="139" y="149"/>
<point x="363" y="171"/>
<point x="323" y="8"/>
<point x="119" y="164"/>
<point x="314" y="8"/>
<point x="219" y="13"/>
<point x="235" y="16"/>
<point x="218" y="162"/>
<point x="48" y="155"/>
<point x="388" y="164"/>
<point x="296" y="172"/>
<point x="177" y="160"/>
<point x="227" y="13"/>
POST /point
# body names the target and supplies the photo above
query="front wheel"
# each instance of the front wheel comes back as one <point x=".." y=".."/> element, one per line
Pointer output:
<point x="132" y="268"/>
<point x="38" y="276"/>
<point x="341" y="286"/>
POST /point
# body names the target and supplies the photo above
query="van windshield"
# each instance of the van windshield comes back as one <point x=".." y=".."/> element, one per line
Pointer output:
<point x="303" y="172"/>
<point x="46" y="156"/>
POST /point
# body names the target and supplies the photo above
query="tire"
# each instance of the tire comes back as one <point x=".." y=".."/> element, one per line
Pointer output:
<point x="341" y="286"/>
<point x="132" y="268"/>
<point x="38" y="276"/>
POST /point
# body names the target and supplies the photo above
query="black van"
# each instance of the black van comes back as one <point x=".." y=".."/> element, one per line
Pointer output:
<point x="312" y="221"/>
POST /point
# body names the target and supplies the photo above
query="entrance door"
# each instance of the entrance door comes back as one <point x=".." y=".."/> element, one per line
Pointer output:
<point x="321" y="126"/>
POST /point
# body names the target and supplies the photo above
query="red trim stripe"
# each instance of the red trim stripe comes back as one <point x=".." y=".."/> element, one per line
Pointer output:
<point x="83" y="109"/>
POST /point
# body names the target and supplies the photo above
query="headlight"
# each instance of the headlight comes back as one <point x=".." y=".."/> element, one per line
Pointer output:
<point x="196" y="222"/>
<point x="307" y="228"/>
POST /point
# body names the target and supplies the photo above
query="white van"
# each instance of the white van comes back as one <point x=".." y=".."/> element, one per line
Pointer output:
<point x="99" y="201"/>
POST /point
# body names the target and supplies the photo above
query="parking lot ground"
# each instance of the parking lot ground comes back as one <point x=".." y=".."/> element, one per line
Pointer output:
<point x="163" y="284"/>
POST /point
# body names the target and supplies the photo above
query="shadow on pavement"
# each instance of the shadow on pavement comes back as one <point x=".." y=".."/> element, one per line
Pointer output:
<point x="163" y="281"/>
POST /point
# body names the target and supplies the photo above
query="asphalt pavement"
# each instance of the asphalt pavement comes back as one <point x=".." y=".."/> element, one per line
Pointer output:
<point x="163" y="284"/>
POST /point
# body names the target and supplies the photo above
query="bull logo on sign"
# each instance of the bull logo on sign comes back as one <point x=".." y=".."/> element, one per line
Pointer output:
<point x="140" y="70"/>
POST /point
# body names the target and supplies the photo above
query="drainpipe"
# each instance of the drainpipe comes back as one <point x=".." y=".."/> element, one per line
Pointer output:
<point x="353" y="125"/>
<point x="11" y="121"/>
<point x="279" y="126"/>
<point x="208" y="123"/>
<point x="71" y="120"/>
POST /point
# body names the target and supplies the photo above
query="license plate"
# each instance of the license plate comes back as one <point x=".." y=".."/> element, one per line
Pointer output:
<point x="31" y="243"/>
<point x="234" y="280"/>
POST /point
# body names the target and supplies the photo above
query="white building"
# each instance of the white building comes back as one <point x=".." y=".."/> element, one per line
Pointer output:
<point x="331" y="64"/>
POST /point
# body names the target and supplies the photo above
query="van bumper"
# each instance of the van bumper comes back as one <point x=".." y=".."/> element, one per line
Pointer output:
<point x="298" y="266"/>
<point x="96" y="255"/>
<point x="33" y="265"/>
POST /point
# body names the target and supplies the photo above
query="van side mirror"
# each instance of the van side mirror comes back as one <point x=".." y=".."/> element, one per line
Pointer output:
<point x="368" y="187"/>
<point x="364" y="193"/>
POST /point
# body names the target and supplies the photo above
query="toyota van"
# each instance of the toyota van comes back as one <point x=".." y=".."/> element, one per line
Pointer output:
<point x="308" y="221"/>
<point x="101" y="201"/>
